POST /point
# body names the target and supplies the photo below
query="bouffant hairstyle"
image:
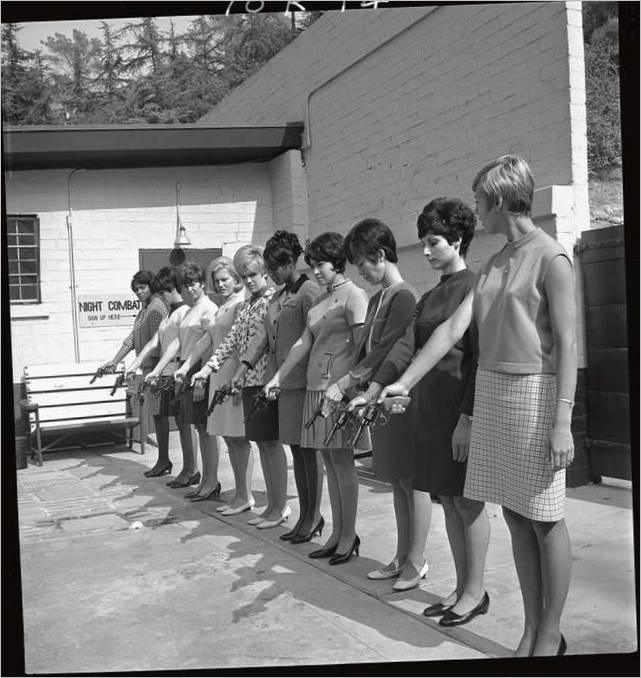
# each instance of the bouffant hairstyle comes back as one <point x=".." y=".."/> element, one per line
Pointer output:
<point x="142" y="278"/>
<point x="329" y="247"/>
<point x="367" y="239"/>
<point x="165" y="280"/>
<point x="223" y="264"/>
<point x="282" y="248"/>
<point x="190" y="272"/>
<point x="507" y="181"/>
<point x="249" y="255"/>
<point x="450" y="218"/>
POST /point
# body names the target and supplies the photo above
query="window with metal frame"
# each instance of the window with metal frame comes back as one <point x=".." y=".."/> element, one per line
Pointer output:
<point x="23" y="248"/>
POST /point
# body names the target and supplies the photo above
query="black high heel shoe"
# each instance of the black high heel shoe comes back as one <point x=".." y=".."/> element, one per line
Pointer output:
<point x="340" y="558"/>
<point x="214" y="494"/>
<point x="159" y="470"/>
<point x="323" y="553"/>
<point x="290" y="534"/>
<point x="186" y="482"/>
<point x="302" y="538"/>
<point x="453" y="619"/>
<point x="563" y="646"/>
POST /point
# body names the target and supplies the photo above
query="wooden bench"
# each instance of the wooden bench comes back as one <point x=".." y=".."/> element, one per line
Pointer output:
<point x="60" y="400"/>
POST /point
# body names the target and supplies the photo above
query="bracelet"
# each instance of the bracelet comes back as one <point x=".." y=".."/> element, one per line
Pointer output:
<point x="246" y="364"/>
<point x="565" y="400"/>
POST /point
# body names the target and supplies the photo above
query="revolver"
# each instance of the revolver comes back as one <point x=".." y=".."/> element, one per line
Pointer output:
<point x="180" y="388"/>
<point x="344" y="419"/>
<point x="140" y="392"/>
<point x="100" y="372"/>
<point x="372" y="416"/>
<point x="119" y="383"/>
<point x="220" y="395"/>
<point x="261" y="401"/>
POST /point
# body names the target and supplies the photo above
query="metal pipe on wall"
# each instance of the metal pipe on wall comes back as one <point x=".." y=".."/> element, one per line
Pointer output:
<point x="72" y="269"/>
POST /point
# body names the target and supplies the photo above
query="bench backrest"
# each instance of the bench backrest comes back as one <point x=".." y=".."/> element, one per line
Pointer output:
<point x="65" y="396"/>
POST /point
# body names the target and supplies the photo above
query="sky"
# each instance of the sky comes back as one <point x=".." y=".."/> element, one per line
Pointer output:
<point x="32" y="33"/>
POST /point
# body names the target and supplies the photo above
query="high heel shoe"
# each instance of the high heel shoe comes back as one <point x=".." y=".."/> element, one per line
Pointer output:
<point x="159" y="470"/>
<point x="277" y="521"/>
<point x="563" y="646"/>
<point x="222" y="508"/>
<point x="323" y="552"/>
<point x="302" y="538"/>
<point x="340" y="558"/>
<point x="189" y="480"/>
<point x="230" y="511"/>
<point x="453" y="619"/>
<point x="407" y="584"/>
<point x="290" y="534"/>
<point x="388" y="571"/>
<point x="214" y="494"/>
<point x="436" y="610"/>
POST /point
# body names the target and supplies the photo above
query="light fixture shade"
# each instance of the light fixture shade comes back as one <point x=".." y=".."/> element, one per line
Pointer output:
<point x="181" y="234"/>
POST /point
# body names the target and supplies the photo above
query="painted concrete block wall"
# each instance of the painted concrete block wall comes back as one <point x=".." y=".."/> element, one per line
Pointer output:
<point x="114" y="213"/>
<point x="289" y="194"/>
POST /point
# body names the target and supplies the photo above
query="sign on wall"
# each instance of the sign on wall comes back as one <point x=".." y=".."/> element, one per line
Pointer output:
<point x="105" y="310"/>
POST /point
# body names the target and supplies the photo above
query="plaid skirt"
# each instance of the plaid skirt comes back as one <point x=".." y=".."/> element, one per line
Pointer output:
<point x="290" y="415"/>
<point x="509" y="459"/>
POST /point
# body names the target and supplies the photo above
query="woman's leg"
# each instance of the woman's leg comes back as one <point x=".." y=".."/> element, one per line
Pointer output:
<point x="455" y="528"/>
<point x="187" y="446"/>
<point x="334" y="499"/>
<point x="301" y="489"/>
<point x="556" y="564"/>
<point x="161" y="424"/>
<point x="313" y="473"/>
<point x="402" y="492"/>
<point x="264" y="464"/>
<point x="277" y="470"/>
<point x="242" y="464"/>
<point x="209" y="454"/>
<point x="347" y="481"/>
<point x="421" y="518"/>
<point x="525" y="549"/>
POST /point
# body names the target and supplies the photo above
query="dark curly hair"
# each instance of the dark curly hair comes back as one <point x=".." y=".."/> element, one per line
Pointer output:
<point x="281" y="249"/>
<point x="165" y="280"/>
<point x="450" y="218"/>
<point x="329" y="247"/>
<point x="142" y="278"/>
<point x="367" y="239"/>
<point x="188" y="272"/>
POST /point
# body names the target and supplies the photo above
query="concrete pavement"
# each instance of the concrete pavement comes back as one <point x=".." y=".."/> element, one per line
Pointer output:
<point x="192" y="589"/>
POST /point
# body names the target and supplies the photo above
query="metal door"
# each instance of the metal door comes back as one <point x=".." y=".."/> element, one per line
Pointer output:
<point x="608" y="402"/>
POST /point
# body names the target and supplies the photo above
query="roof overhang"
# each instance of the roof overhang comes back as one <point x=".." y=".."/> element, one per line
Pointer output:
<point x="102" y="147"/>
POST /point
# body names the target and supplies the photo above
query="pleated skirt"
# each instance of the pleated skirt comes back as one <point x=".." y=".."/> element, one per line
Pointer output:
<point x="509" y="459"/>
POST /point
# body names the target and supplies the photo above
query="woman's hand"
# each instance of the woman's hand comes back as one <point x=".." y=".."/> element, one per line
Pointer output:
<point x="461" y="438"/>
<point x="273" y="383"/>
<point x="109" y="367"/>
<point x="199" y="388"/>
<point x="360" y="400"/>
<point x="180" y="374"/>
<point x="398" y="388"/>
<point x="239" y="376"/>
<point x="561" y="447"/>
<point x="333" y="394"/>
<point x="201" y="375"/>
<point x="152" y="379"/>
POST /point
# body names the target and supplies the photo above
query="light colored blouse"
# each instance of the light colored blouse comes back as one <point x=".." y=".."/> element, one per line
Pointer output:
<point x="218" y="330"/>
<point x="168" y="331"/>
<point x="511" y="308"/>
<point x="195" y="323"/>
<point x="330" y="321"/>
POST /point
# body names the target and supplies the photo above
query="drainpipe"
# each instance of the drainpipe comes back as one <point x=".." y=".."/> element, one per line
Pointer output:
<point x="72" y="270"/>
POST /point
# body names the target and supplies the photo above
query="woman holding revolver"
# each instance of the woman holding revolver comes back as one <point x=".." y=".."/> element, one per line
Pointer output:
<point x="523" y="306"/>
<point x="328" y="343"/>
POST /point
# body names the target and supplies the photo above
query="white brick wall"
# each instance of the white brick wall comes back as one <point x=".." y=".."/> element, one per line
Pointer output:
<point x="114" y="213"/>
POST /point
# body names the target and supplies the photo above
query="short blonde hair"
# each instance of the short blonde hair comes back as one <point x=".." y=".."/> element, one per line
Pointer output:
<point x="247" y="255"/>
<point x="219" y="264"/>
<point x="507" y="181"/>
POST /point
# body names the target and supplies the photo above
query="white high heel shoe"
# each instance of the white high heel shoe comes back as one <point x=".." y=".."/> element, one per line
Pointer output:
<point x="406" y="584"/>
<point x="222" y="508"/>
<point x="239" y="509"/>
<point x="274" y="523"/>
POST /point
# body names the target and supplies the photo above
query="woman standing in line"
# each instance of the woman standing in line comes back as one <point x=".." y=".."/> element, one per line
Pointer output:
<point x="262" y="425"/>
<point x="371" y="247"/>
<point x="227" y="418"/>
<point x="445" y="397"/>
<point x="329" y="339"/>
<point x="165" y="285"/>
<point x="193" y="406"/>
<point x="146" y="324"/>
<point x="283" y="324"/>
<point x="524" y="309"/>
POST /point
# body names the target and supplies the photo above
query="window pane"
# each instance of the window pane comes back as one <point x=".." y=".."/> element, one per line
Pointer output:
<point x="28" y="279"/>
<point x="26" y="253"/>
<point x="28" y="267"/>
<point x="13" y="267"/>
<point x="30" y="292"/>
<point x="12" y="240"/>
<point x="14" y="292"/>
<point x="26" y="239"/>
<point x="12" y="225"/>
<point x="26" y="227"/>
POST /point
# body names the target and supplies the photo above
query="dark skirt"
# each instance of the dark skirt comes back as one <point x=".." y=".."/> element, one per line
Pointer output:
<point x="189" y="411"/>
<point x="263" y="422"/>
<point x="290" y="415"/>
<point x="393" y="446"/>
